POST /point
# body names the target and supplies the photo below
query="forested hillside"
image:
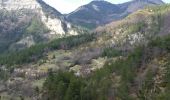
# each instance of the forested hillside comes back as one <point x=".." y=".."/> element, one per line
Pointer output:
<point x="124" y="60"/>
<point x="131" y="73"/>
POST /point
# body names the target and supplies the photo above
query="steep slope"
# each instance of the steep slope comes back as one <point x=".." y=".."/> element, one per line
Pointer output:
<point x="136" y="63"/>
<point x="24" y="23"/>
<point x="96" y="12"/>
<point x="125" y="60"/>
<point x="135" y="5"/>
<point x="101" y="12"/>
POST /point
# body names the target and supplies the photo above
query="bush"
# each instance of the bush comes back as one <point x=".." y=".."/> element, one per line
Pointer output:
<point x="111" y="52"/>
<point x="63" y="86"/>
<point x="161" y="42"/>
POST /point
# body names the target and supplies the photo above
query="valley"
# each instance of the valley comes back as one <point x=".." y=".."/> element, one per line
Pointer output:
<point x="45" y="56"/>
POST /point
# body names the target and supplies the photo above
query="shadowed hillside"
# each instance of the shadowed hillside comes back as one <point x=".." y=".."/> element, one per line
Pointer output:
<point x="98" y="13"/>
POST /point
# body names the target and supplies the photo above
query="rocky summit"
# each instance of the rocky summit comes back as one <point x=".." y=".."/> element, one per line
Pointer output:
<point x="31" y="16"/>
<point x="98" y="12"/>
<point x="49" y="16"/>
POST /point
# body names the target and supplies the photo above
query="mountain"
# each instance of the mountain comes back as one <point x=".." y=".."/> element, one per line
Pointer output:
<point x="26" y="22"/>
<point x="135" y="5"/>
<point x="101" y="12"/>
<point x="126" y="59"/>
<point x="96" y="12"/>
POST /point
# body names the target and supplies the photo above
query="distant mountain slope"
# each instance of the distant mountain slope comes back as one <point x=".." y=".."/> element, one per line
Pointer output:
<point x="96" y="12"/>
<point x="101" y="12"/>
<point x="26" y="22"/>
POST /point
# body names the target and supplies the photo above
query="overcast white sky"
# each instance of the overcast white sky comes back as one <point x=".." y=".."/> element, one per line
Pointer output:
<point x="67" y="6"/>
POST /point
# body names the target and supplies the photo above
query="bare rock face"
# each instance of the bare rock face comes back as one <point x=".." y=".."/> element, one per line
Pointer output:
<point x="19" y="4"/>
<point x="56" y="25"/>
<point x="22" y="19"/>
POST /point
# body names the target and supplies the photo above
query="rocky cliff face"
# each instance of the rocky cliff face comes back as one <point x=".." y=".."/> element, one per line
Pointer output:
<point x="35" y="20"/>
<point x="53" y="20"/>
<point x="19" y="4"/>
